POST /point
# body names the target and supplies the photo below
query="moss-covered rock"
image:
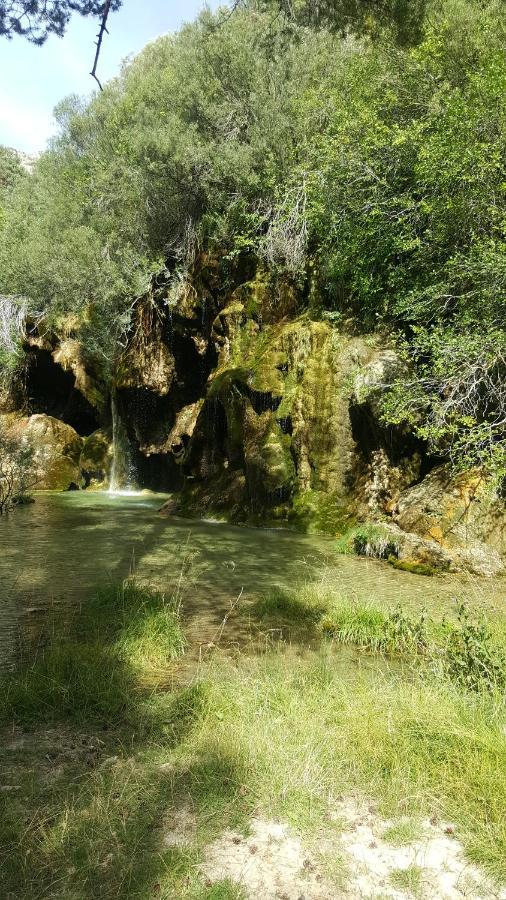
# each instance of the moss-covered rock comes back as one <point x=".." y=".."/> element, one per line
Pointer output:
<point x="57" y="449"/>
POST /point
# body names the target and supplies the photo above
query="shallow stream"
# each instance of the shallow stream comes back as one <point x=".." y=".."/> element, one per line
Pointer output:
<point x="54" y="552"/>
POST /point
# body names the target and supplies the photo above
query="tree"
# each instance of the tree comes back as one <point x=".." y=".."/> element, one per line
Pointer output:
<point x="37" y="19"/>
<point x="404" y="18"/>
<point x="17" y="473"/>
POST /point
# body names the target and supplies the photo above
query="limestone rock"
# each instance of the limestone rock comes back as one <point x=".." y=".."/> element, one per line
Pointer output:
<point x="171" y="507"/>
<point x="70" y="356"/>
<point x="147" y="365"/>
<point x="57" y="450"/>
<point x="460" y="514"/>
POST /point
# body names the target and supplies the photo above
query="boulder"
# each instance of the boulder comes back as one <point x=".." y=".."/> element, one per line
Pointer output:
<point x="57" y="448"/>
<point x="459" y="513"/>
<point x="171" y="507"/>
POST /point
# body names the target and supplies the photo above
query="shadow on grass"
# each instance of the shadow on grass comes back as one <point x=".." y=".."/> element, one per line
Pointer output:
<point x="94" y="763"/>
<point x="289" y="613"/>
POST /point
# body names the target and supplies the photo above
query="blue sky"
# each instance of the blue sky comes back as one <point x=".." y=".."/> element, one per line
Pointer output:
<point x="33" y="79"/>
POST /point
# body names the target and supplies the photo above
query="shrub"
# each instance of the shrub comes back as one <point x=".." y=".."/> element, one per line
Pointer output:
<point x="469" y="656"/>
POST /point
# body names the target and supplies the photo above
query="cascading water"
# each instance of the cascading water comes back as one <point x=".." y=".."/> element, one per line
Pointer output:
<point x="122" y="469"/>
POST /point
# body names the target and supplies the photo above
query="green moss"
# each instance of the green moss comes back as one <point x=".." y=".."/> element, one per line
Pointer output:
<point x="317" y="511"/>
<point x="225" y="382"/>
<point x="413" y="566"/>
<point x="276" y="458"/>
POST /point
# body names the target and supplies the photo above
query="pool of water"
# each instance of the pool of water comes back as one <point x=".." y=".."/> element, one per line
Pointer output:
<point x="54" y="552"/>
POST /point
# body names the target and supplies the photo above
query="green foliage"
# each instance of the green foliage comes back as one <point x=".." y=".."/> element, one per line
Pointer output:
<point x="470" y="657"/>
<point x="36" y="21"/>
<point x="360" y="141"/>
<point x="11" y="170"/>
<point x="17" y="471"/>
<point x="404" y="19"/>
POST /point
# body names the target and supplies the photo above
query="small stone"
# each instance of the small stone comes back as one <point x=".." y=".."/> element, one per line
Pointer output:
<point x="110" y="761"/>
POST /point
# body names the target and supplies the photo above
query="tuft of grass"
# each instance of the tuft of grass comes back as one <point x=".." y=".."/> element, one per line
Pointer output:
<point x="354" y="623"/>
<point x="223" y="890"/>
<point x="368" y="540"/>
<point x="302" y="606"/>
<point x="402" y="832"/>
<point x="409" y="879"/>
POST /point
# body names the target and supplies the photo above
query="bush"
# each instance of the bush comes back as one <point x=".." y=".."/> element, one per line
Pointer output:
<point x="17" y="474"/>
<point x="470" y="657"/>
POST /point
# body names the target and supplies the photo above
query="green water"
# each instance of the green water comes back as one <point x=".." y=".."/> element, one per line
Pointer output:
<point x="54" y="552"/>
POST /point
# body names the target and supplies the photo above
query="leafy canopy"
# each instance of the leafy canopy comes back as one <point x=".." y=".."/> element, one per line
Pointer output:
<point x="37" y="19"/>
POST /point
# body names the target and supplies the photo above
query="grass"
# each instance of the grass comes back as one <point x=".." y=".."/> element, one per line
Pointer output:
<point x="404" y="831"/>
<point x="117" y="643"/>
<point x="469" y="651"/>
<point x="409" y="879"/>
<point x="367" y="540"/>
<point x="102" y="757"/>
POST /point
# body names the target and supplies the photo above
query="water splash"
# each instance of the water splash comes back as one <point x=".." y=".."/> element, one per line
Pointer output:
<point x="122" y="478"/>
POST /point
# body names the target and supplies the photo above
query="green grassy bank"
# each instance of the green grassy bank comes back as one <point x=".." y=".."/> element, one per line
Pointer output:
<point x="104" y="754"/>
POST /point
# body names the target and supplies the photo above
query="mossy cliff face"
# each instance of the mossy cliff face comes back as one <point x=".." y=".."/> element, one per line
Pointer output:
<point x="252" y="407"/>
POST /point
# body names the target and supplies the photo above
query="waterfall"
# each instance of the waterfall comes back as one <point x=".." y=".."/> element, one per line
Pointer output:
<point x="122" y="470"/>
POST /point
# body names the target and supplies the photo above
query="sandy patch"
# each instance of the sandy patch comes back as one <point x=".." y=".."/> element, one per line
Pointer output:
<point x="271" y="863"/>
<point x="438" y="858"/>
<point x="179" y="828"/>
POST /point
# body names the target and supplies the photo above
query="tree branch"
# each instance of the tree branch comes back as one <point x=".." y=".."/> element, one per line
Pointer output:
<point x="100" y="36"/>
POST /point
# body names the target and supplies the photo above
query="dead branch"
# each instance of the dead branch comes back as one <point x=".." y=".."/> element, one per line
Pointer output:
<point x="100" y="36"/>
